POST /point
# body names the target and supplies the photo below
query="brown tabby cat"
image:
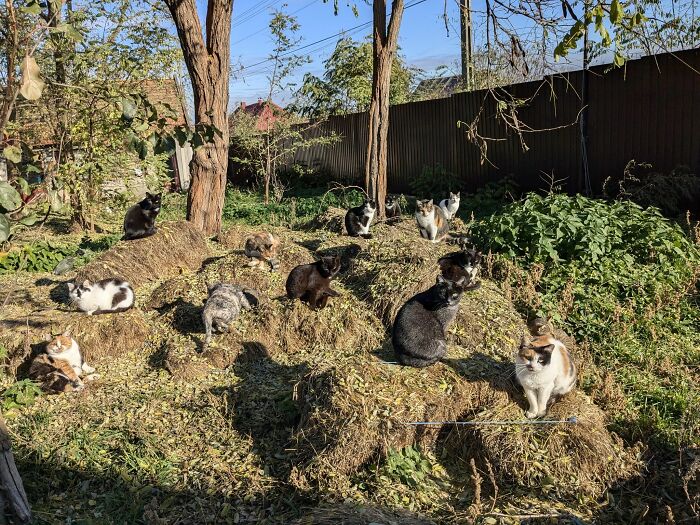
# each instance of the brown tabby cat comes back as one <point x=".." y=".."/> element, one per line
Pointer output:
<point x="262" y="248"/>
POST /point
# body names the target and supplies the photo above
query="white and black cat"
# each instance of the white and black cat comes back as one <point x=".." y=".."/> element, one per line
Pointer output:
<point x="103" y="297"/>
<point x="140" y="219"/>
<point x="359" y="218"/>
<point x="433" y="223"/>
<point x="451" y="205"/>
<point x="545" y="370"/>
<point x="420" y="328"/>
<point x="392" y="208"/>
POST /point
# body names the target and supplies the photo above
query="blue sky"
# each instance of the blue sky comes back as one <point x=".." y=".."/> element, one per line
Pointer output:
<point x="423" y="39"/>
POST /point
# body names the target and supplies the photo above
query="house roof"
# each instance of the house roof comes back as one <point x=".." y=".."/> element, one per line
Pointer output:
<point x="257" y="109"/>
<point x="438" y="87"/>
<point x="167" y="91"/>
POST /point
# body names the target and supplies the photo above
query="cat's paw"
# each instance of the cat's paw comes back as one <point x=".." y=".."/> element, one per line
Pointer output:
<point x="530" y="414"/>
<point x="92" y="377"/>
<point x="542" y="413"/>
<point x="87" y="369"/>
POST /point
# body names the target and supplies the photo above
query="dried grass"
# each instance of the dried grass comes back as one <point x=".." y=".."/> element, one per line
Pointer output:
<point x="177" y="247"/>
<point x="360" y="515"/>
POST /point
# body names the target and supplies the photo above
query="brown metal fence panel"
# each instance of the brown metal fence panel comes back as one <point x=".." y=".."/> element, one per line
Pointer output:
<point x="648" y="111"/>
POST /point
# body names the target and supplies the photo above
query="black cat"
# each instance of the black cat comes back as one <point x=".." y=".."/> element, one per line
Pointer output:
<point x="312" y="282"/>
<point x="140" y="220"/>
<point x="420" y="327"/>
<point x="393" y="209"/>
<point x="359" y="218"/>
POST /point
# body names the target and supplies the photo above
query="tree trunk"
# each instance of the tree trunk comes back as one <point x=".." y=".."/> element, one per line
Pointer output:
<point x="384" y="50"/>
<point x="12" y="495"/>
<point x="208" y="65"/>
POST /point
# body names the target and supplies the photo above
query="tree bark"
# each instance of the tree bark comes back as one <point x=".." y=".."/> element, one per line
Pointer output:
<point x="12" y="493"/>
<point x="385" y="43"/>
<point x="208" y="66"/>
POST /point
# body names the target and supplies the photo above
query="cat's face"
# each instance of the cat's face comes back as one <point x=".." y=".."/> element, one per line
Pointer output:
<point x="450" y="291"/>
<point x="370" y="206"/>
<point x="425" y="207"/>
<point x="330" y="266"/>
<point x="75" y="292"/>
<point x="59" y="344"/>
<point x="473" y="265"/>
<point x="454" y="197"/>
<point x="391" y="200"/>
<point x="534" y="357"/>
<point x="151" y="202"/>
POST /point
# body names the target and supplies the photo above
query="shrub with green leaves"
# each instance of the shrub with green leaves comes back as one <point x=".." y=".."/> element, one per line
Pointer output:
<point x="620" y="277"/>
<point x="434" y="182"/>
<point x="407" y="466"/>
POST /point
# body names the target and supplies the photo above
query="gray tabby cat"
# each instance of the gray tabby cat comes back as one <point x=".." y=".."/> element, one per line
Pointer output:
<point x="420" y="329"/>
<point x="224" y="305"/>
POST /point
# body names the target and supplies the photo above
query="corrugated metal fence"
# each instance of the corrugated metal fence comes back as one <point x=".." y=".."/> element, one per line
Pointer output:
<point x="648" y="111"/>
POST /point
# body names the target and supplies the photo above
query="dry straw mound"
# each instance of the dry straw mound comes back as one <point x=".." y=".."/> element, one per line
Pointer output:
<point x="177" y="247"/>
<point x="358" y="515"/>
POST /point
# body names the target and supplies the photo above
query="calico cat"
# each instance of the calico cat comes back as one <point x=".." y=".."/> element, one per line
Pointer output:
<point x="224" y="304"/>
<point x="312" y="282"/>
<point x="359" y="218"/>
<point x="262" y="248"/>
<point x="420" y="328"/>
<point x="451" y="205"/>
<point x="466" y="263"/>
<point x="103" y="297"/>
<point x="545" y="370"/>
<point x="433" y="224"/>
<point x="61" y="368"/>
<point x="393" y="209"/>
<point x="140" y="219"/>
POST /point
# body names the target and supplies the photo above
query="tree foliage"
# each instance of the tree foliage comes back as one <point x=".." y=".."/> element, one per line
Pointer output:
<point x="346" y="84"/>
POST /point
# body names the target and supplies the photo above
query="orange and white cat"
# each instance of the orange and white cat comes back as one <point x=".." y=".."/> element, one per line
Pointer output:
<point x="61" y="368"/>
<point x="545" y="370"/>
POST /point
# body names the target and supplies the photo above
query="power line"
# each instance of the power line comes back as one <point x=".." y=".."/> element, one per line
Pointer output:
<point x="260" y="9"/>
<point x="292" y="51"/>
<point x="264" y="28"/>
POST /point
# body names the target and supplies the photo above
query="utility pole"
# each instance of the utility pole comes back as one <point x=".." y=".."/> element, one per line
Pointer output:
<point x="465" y="23"/>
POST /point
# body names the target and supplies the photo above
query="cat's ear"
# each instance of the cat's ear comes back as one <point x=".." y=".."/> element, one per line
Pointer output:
<point x="548" y="349"/>
<point x="71" y="287"/>
<point x="430" y="202"/>
<point x="462" y="281"/>
<point x="86" y="284"/>
<point x="47" y="338"/>
<point x="440" y="279"/>
<point x="523" y="341"/>
<point x="67" y="332"/>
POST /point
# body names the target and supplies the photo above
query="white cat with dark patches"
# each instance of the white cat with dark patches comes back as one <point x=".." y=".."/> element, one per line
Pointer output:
<point x="545" y="370"/>
<point x="359" y="218"/>
<point x="103" y="297"/>
<point x="451" y="205"/>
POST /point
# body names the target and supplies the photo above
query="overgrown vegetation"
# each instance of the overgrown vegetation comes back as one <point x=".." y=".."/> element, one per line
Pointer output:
<point x="622" y="279"/>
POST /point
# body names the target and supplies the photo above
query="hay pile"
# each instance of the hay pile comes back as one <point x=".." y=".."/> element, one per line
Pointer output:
<point x="177" y="247"/>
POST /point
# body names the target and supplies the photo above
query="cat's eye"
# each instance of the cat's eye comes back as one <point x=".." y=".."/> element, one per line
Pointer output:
<point x="541" y="360"/>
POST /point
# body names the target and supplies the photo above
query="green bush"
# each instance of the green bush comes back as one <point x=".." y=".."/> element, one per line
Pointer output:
<point x="21" y="394"/>
<point x="434" y="182"/>
<point x="619" y="277"/>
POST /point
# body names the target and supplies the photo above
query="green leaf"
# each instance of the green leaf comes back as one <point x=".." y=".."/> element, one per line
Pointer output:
<point x="616" y="12"/>
<point x="128" y="108"/>
<point x="4" y="228"/>
<point x="13" y="154"/>
<point x="32" y="8"/>
<point x="74" y="34"/>
<point x="32" y="85"/>
<point x="165" y="145"/>
<point x="23" y="186"/>
<point x="618" y="60"/>
<point x="30" y="220"/>
<point x="9" y="197"/>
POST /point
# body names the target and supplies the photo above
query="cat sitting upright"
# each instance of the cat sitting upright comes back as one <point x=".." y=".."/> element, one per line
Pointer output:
<point x="61" y="368"/>
<point x="262" y="248"/>
<point x="224" y="304"/>
<point x="420" y="329"/>
<point x="392" y="208"/>
<point x="359" y="218"/>
<point x="451" y="205"/>
<point x="312" y="282"/>
<point x="465" y="263"/>
<point x="103" y="297"/>
<point x="545" y="370"/>
<point x="433" y="224"/>
<point x="140" y="219"/>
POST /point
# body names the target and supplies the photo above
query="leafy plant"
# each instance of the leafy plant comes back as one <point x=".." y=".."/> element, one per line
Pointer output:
<point x="434" y="182"/>
<point x="21" y="394"/>
<point x="407" y="466"/>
